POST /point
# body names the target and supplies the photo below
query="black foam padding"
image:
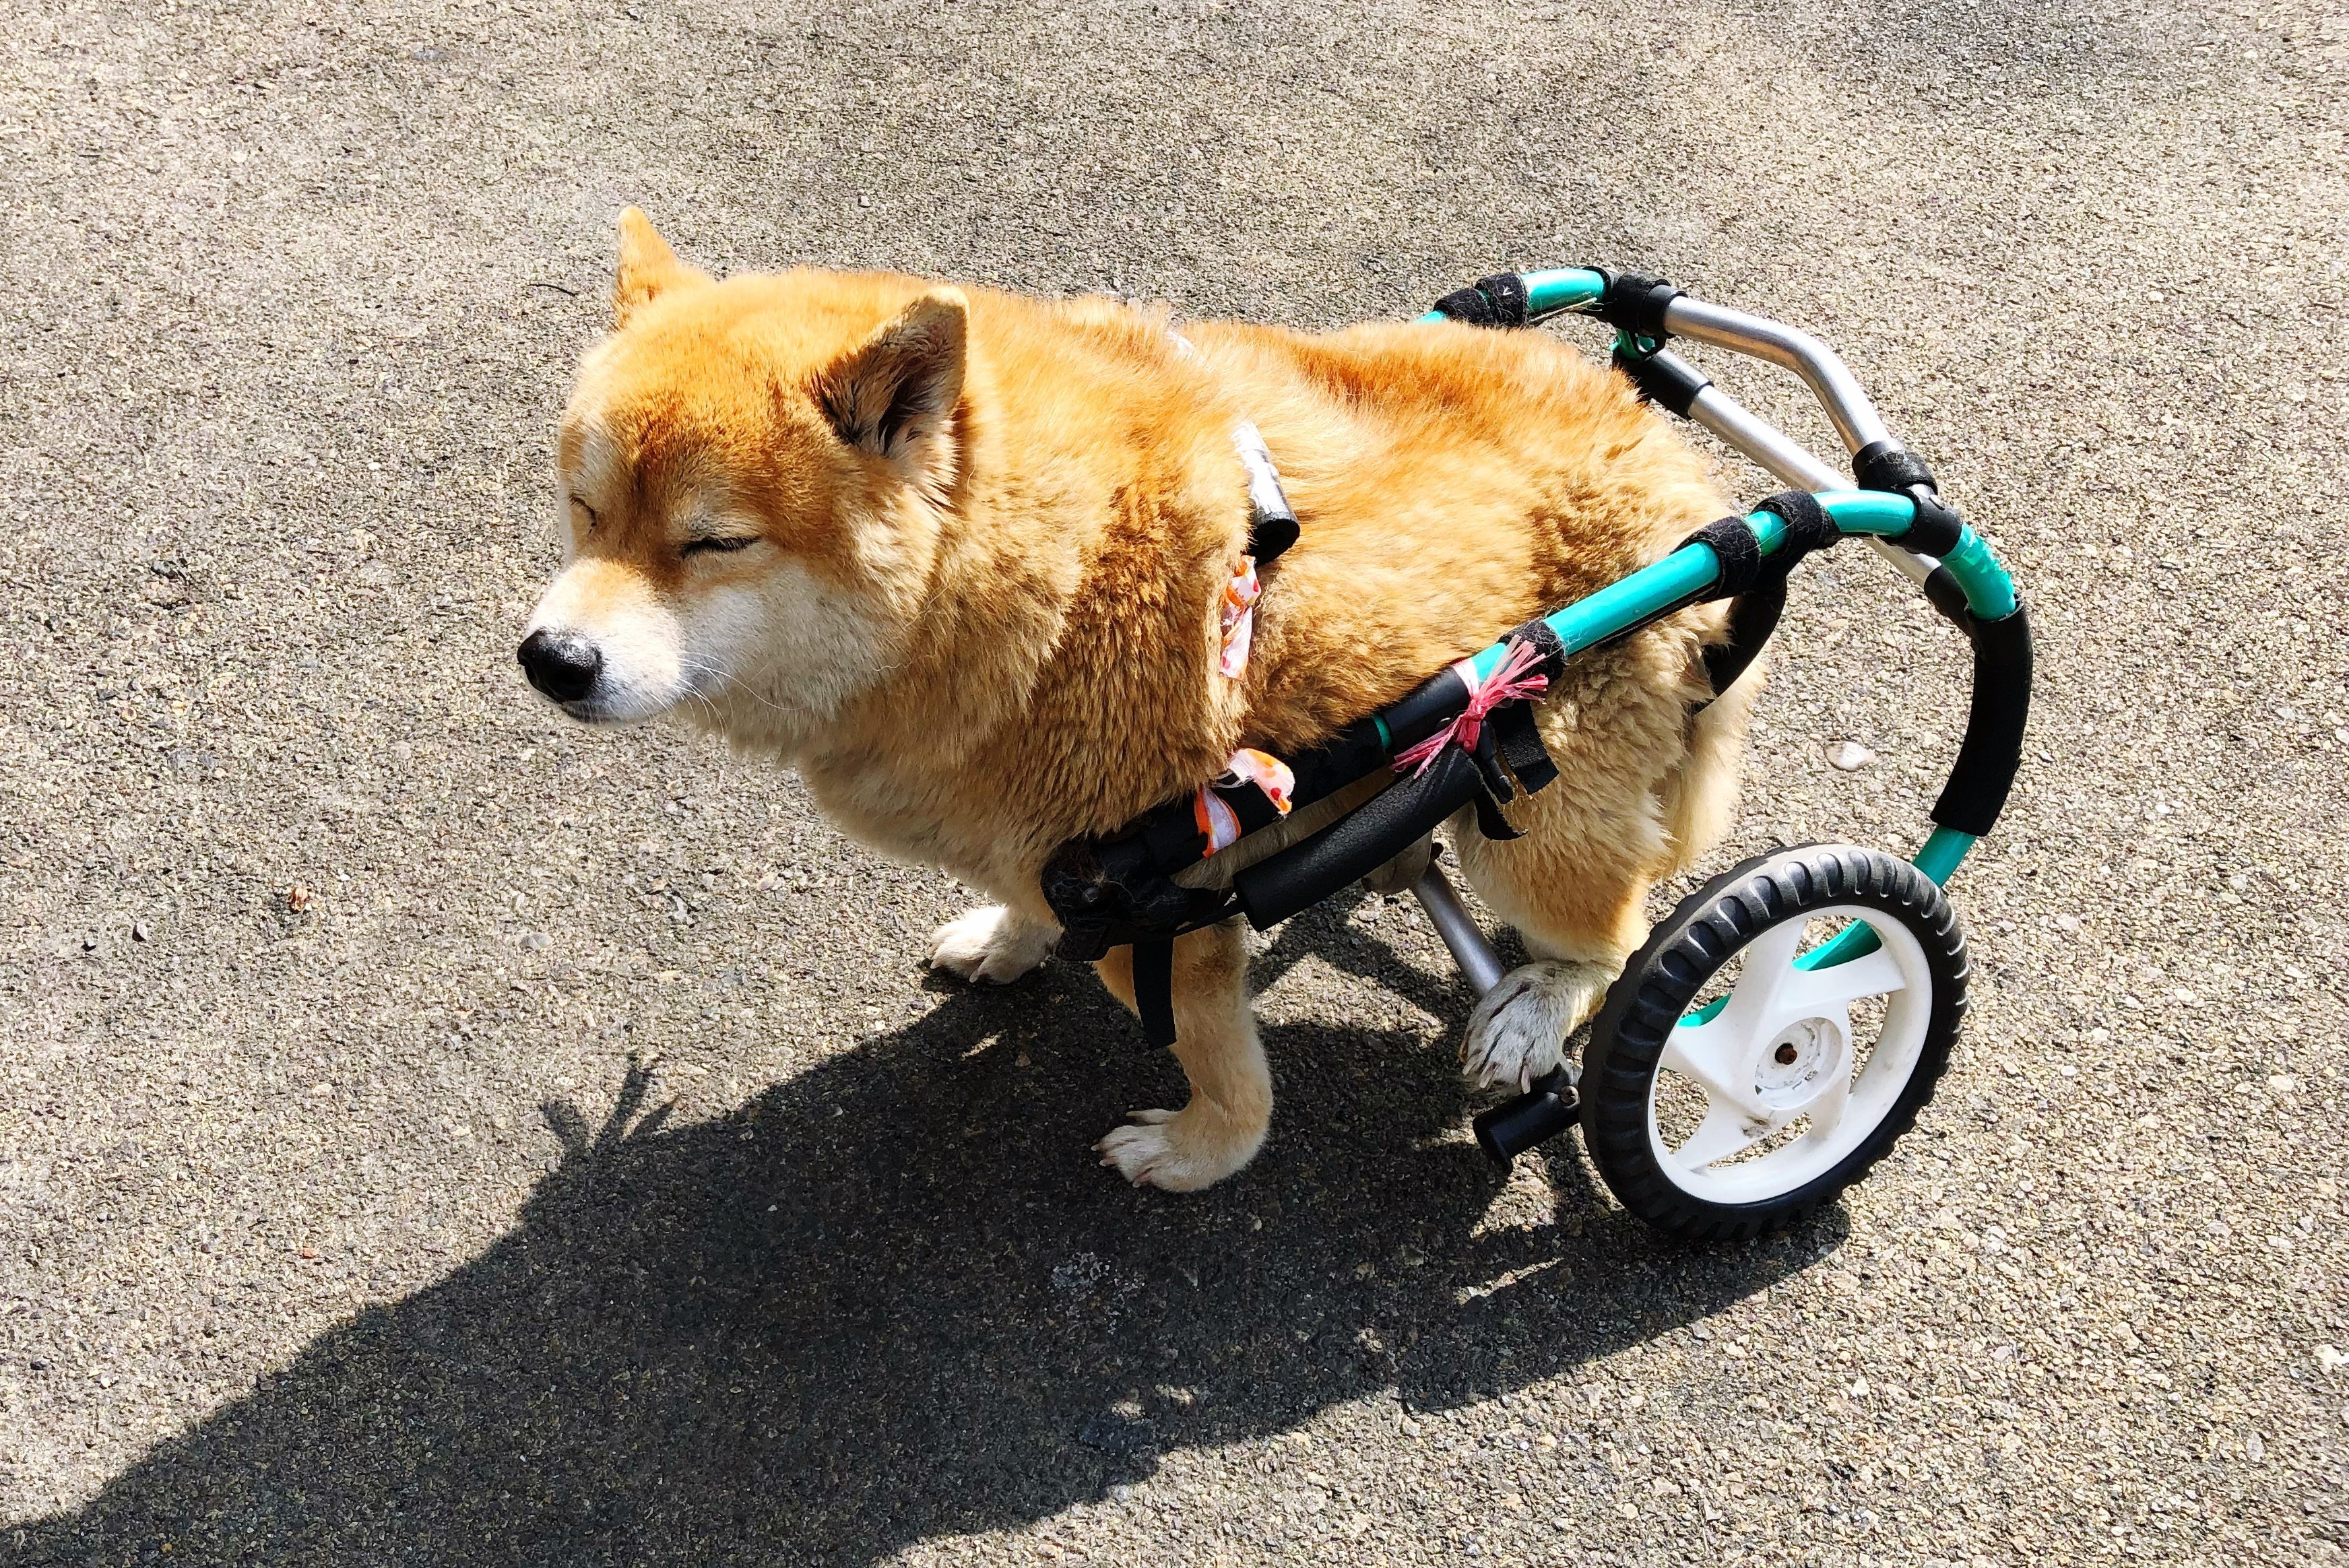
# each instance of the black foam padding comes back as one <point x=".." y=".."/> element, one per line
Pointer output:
<point x="1539" y="1114"/>
<point x="1270" y="534"/>
<point x="1663" y="379"/>
<point x="1360" y="842"/>
<point x="1992" y="749"/>
<point x="1425" y="709"/>
<point x="1941" y="587"/>
<point x="1337" y="762"/>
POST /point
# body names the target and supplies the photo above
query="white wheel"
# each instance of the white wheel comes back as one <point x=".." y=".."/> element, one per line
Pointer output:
<point x="1786" y="1084"/>
<point x="1747" y="1112"/>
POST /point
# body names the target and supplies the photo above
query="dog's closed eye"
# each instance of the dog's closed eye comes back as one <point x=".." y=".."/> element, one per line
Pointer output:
<point x="726" y="544"/>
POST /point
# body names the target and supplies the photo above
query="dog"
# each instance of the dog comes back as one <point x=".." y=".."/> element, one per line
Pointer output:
<point x="957" y="555"/>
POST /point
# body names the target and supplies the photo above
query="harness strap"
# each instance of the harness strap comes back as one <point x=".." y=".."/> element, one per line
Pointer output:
<point x="1272" y="521"/>
<point x="1515" y="733"/>
<point x="1154" y="989"/>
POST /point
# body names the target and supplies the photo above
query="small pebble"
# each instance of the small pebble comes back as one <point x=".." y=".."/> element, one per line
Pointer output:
<point x="1849" y="755"/>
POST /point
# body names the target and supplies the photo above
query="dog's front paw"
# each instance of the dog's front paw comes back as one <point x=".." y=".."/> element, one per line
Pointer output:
<point x="1180" y="1150"/>
<point x="991" y="943"/>
<point x="1518" y="1030"/>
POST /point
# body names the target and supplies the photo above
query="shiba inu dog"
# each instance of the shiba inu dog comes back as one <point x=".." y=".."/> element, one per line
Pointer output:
<point x="956" y="556"/>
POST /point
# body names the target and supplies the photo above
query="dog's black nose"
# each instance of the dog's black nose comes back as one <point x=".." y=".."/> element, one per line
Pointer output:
<point x="562" y="666"/>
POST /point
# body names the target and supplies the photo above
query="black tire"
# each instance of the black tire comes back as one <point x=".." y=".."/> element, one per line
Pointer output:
<point x="1666" y="975"/>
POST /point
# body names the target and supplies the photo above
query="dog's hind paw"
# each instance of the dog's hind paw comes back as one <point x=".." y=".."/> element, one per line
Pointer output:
<point x="1519" y="1028"/>
<point x="992" y="944"/>
<point x="1180" y="1150"/>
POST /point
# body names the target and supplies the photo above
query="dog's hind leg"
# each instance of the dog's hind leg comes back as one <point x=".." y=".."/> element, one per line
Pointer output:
<point x="1215" y="1040"/>
<point x="995" y="943"/>
<point x="1581" y="911"/>
<point x="1639" y="784"/>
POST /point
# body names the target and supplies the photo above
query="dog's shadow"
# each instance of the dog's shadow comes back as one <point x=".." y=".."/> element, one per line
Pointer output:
<point x="894" y="1299"/>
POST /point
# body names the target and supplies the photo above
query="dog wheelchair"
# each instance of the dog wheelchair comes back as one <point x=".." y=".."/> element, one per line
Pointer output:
<point x="1785" y="1024"/>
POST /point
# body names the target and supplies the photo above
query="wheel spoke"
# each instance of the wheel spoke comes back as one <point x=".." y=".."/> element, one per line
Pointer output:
<point x="1827" y="1111"/>
<point x="1758" y="997"/>
<point x="1708" y="1056"/>
<point x="1822" y="992"/>
<point x="1723" y="1132"/>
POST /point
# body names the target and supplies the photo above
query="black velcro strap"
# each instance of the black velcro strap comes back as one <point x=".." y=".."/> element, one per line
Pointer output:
<point x="1469" y="305"/>
<point x="1514" y="731"/>
<point x="1489" y="821"/>
<point x="1753" y="616"/>
<point x="1498" y="301"/>
<point x="1153" y="990"/>
<point x="1507" y="292"/>
<point x="1635" y="302"/>
<point x="1520" y="744"/>
<point x="1808" y="526"/>
<point x="1889" y="466"/>
<point x="1740" y="554"/>
<point x="1542" y="637"/>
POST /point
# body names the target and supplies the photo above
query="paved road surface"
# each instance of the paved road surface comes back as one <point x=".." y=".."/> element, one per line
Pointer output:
<point x="335" y="1224"/>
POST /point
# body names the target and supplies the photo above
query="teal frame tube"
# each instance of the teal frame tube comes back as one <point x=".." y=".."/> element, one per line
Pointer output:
<point x="1938" y="859"/>
<point x="1693" y="568"/>
<point x="1547" y="293"/>
<point x="1689" y="569"/>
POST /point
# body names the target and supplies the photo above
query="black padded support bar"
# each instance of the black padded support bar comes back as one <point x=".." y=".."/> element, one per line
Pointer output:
<point x="1424" y="709"/>
<point x="1992" y="749"/>
<point x="1153" y="990"/>
<point x="1360" y="842"/>
<point x="1635" y="302"/>
<point x="1663" y="379"/>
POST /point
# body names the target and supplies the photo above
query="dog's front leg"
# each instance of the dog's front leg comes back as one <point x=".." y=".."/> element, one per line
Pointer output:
<point x="998" y="944"/>
<point x="1231" y="1089"/>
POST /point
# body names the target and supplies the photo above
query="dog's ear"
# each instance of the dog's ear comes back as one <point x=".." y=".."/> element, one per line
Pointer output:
<point x="649" y="268"/>
<point x="895" y="394"/>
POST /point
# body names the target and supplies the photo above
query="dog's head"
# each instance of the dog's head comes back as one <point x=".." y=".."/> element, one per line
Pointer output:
<point x="749" y="479"/>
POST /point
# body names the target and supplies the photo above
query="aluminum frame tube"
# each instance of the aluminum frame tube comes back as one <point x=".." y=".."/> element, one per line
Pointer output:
<point x="1778" y="452"/>
<point x="1458" y="929"/>
<point x="1838" y="391"/>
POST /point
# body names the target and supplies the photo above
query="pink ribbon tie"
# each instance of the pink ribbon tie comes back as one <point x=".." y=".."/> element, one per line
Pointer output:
<point x="1508" y="683"/>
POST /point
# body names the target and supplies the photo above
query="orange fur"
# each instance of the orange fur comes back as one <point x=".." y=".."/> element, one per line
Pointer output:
<point x="980" y="616"/>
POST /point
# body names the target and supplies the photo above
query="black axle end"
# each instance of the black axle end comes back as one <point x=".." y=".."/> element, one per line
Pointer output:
<point x="1542" y="1112"/>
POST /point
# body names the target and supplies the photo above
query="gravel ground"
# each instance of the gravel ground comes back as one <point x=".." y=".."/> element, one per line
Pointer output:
<point x="429" y="1134"/>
